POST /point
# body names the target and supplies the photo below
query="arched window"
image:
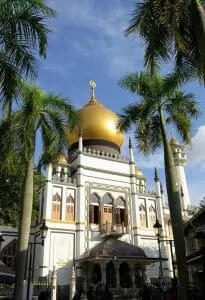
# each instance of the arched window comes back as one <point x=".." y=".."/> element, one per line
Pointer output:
<point x="143" y="216"/>
<point x="120" y="211"/>
<point x="169" y="225"/>
<point x="8" y="254"/>
<point x="62" y="173"/>
<point x="54" y="171"/>
<point x="70" y="209"/>
<point x="96" y="273"/>
<point x="94" y="209"/>
<point x="56" y="207"/>
<point x="152" y="216"/>
<point x="107" y="209"/>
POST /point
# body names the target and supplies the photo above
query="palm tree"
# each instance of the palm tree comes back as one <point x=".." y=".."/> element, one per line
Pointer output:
<point x="23" y="34"/>
<point x="41" y="114"/>
<point x="171" y="30"/>
<point x="161" y="103"/>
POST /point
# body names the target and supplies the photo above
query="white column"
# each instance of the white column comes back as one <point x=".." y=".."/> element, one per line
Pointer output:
<point x="81" y="225"/>
<point x="134" y="216"/>
<point x="54" y="284"/>
<point x="73" y="284"/>
<point x="47" y="207"/>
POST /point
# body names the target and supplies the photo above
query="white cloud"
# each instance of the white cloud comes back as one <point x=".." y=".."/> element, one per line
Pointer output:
<point x="102" y="33"/>
<point x="196" y="155"/>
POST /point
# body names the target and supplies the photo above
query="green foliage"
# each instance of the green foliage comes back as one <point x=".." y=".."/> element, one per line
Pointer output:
<point x="156" y="93"/>
<point x="23" y="34"/>
<point x="11" y="194"/>
<point x="171" y="31"/>
<point x="12" y="176"/>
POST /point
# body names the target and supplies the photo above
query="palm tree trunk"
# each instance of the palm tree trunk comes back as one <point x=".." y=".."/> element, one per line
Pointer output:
<point x="173" y="192"/>
<point x="198" y="20"/>
<point x="24" y="230"/>
<point x="7" y="108"/>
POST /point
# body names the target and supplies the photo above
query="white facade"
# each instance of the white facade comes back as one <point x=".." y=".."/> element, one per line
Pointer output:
<point x="92" y="172"/>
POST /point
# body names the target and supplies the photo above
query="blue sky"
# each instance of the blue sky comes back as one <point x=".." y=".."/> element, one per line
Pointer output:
<point x="88" y="43"/>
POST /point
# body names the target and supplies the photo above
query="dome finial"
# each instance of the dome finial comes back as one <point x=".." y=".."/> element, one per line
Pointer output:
<point x="92" y="86"/>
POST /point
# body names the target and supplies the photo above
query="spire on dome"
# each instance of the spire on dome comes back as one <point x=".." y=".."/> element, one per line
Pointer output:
<point x="92" y="86"/>
<point x="156" y="176"/>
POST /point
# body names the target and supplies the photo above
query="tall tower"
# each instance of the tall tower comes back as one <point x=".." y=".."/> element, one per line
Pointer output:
<point x="180" y="159"/>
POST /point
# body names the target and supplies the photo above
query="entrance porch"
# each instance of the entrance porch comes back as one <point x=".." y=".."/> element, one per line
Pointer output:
<point x="114" y="264"/>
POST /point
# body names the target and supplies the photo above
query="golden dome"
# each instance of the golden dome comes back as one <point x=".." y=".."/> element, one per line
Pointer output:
<point x="62" y="158"/>
<point x="96" y="123"/>
<point x="138" y="172"/>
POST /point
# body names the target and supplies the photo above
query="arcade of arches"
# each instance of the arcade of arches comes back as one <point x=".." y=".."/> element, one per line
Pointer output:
<point x="107" y="210"/>
<point x="116" y="274"/>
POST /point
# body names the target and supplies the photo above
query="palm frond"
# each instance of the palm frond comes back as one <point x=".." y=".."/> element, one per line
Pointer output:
<point x="23" y="32"/>
<point x="184" y="104"/>
<point x="183" y="126"/>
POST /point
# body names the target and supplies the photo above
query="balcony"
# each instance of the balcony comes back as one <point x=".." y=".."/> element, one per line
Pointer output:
<point x="116" y="230"/>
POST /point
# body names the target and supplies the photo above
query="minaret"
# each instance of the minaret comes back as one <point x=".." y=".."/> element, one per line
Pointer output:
<point x="159" y="204"/>
<point x="162" y="195"/>
<point x="180" y="159"/>
<point x="134" y="203"/>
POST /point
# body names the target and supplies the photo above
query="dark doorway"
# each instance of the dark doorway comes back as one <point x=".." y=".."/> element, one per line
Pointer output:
<point x="110" y="275"/>
<point x="125" y="275"/>
<point x="96" y="273"/>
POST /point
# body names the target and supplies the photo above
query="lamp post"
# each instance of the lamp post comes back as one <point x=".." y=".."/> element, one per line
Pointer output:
<point x="1" y="240"/>
<point x="158" y="229"/>
<point x="43" y="233"/>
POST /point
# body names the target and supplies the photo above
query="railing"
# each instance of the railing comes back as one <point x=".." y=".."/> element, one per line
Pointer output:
<point x="41" y="287"/>
<point x="6" y="289"/>
<point x="109" y="228"/>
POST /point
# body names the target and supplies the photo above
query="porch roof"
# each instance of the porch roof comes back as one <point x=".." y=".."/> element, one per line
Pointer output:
<point x="112" y="248"/>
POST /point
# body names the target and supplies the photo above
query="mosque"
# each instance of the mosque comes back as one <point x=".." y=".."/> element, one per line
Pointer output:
<point x="99" y="211"/>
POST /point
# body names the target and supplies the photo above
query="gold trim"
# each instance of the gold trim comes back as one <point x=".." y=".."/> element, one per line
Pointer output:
<point x="59" y="221"/>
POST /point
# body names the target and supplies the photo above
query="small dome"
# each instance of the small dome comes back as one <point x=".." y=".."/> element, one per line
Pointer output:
<point x="62" y="158"/>
<point x="138" y="172"/>
<point x="173" y="142"/>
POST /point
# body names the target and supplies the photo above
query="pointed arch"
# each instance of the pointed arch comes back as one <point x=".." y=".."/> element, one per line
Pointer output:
<point x="121" y="211"/>
<point x="108" y="199"/>
<point x="152" y="216"/>
<point x="62" y="173"/>
<point x="108" y="209"/>
<point x="56" y="207"/>
<point x="143" y="216"/>
<point x="54" y="171"/>
<point x="94" y="209"/>
<point x="70" y="209"/>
